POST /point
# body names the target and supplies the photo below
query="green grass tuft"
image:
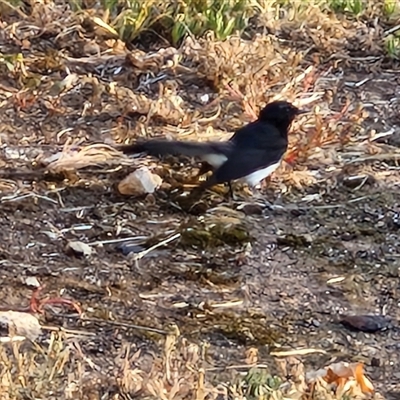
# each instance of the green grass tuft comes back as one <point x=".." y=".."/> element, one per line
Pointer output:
<point x="392" y="45"/>
<point x="176" y="19"/>
<point x="354" y="7"/>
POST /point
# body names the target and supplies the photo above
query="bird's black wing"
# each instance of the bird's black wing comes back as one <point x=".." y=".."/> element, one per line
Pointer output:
<point x="256" y="146"/>
<point x="172" y="147"/>
<point x="244" y="161"/>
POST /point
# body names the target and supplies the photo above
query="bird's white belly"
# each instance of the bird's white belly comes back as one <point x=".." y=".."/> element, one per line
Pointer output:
<point x="257" y="176"/>
<point x="215" y="160"/>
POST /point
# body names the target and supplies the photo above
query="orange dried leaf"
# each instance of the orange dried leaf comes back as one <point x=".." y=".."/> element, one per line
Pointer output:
<point x="251" y="356"/>
<point x="291" y="156"/>
<point x="330" y="376"/>
<point x="362" y="380"/>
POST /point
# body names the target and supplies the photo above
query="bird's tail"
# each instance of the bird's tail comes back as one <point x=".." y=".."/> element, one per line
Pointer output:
<point x="172" y="147"/>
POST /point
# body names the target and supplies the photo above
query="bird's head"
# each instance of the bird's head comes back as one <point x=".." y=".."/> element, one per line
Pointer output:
<point x="279" y="113"/>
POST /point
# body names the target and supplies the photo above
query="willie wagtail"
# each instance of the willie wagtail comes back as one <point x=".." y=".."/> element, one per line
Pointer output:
<point x="251" y="154"/>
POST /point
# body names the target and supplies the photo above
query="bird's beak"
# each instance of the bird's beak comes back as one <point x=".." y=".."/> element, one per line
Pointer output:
<point x="302" y="111"/>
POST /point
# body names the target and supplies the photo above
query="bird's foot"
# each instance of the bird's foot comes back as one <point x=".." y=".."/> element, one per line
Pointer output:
<point x="256" y="193"/>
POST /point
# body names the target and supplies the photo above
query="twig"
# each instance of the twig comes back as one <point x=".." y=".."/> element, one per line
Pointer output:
<point x="273" y="353"/>
<point x="376" y="157"/>
<point x="357" y="84"/>
<point x="208" y="120"/>
<point x="112" y="241"/>
<point x="296" y="352"/>
<point x="67" y="331"/>
<point x="82" y="208"/>
<point x="391" y="30"/>
<point x="9" y="199"/>
<point x="227" y="304"/>
<point x="239" y="366"/>
<point x="298" y="79"/>
<point x="116" y="323"/>
<point x="140" y="255"/>
<point x="291" y="207"/>
<point x="8" y="339"/>
<point x="382" y="134"/>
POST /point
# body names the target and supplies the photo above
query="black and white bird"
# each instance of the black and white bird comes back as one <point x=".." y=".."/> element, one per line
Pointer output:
<point x="250" y="155"/>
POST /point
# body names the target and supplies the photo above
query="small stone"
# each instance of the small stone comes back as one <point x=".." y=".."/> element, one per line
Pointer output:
<point x="20" y="324"/>
<point x="366" y="323"/>
<point x="316" y="323"/>
<point x="32" y="281"/>
<point x="140" y="182"/>
<point x="79" y="248"/>
<point x="251" y="209"/>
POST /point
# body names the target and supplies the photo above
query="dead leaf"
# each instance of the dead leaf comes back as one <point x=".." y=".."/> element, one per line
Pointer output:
<point x="251" y="356"/>
<point x="346" y="377"/>
<point x="365" y="384"/>
<point x="72" y="158"/>
<point x="104" y="27"/>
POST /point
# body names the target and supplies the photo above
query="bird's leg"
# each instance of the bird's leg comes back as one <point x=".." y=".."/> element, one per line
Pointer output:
<point x="231" y="193"/>
<point x="230" y="190"/>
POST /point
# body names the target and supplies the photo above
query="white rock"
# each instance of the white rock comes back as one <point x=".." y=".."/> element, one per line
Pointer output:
<point x="21" y="324"/>
<point x="139" y="182"/>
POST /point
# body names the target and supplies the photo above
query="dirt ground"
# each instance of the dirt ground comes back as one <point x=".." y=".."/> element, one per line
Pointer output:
<point x="327" y="246"/>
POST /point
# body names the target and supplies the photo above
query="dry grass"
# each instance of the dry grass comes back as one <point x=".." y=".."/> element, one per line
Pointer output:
<point x="161" y="92"/>
<point x="179" y="370"/>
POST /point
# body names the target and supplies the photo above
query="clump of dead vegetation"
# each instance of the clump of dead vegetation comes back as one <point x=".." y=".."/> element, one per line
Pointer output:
<point x="63" y="369"/>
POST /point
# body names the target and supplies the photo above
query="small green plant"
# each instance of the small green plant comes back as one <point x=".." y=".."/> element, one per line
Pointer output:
<point x="259" y="384"/>
<point x="354" y="7"/>
<point x="110" y="4"/>
<point x="220" y="16"/>
<point x="392" y="46"/>
<point x="391" y="10"/>
<point x="14" y="63"/>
